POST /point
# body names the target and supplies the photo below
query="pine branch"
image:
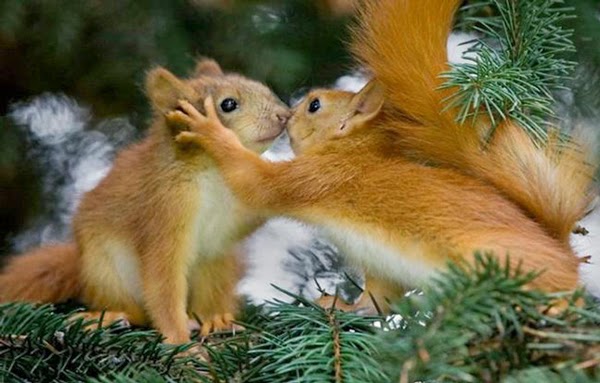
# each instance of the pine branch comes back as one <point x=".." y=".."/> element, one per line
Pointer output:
<point x="297" y="342"/>
<point x="132" y="376"/>
<point x="474" y="323"/>
<point x="38" y="344"/>
<point x="519" y="62"/>
<point x="303" y="342"/>
<point x="478" y="323"/>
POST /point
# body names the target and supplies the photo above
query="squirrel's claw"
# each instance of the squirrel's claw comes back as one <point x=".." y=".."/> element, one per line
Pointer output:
<point x="219" y="323"/>
<point x="186" y="137"/>
<point x="178" y="117"/>
<point x="209" y="106"/>
<point x="188" y="115"/>
<point x="191" y="112"/>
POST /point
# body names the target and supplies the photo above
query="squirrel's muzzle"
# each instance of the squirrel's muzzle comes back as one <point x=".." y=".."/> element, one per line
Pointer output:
<point x="283" y="117"/>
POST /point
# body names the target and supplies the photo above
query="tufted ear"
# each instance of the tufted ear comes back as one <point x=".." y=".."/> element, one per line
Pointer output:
<point x="365" y="105"/>
<point x="164" y="89"/>
<point x="207" y="67"/>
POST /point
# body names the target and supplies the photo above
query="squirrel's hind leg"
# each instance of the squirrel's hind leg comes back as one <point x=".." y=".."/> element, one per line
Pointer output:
<point x="213" y="284"/>
<point x="374" y="300"/>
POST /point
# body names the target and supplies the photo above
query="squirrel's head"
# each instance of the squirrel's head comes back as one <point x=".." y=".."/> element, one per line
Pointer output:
<point x="247" y="107"/>
<point x="326" y="114"/>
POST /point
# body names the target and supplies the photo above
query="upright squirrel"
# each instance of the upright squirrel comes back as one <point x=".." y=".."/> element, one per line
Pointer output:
<point x="395" y="182"/>
<point x="156" y="237"/>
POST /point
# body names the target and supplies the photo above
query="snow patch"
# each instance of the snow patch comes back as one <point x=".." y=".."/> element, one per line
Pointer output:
<point x="458" y="46"/>
<point x="589" y="246"/>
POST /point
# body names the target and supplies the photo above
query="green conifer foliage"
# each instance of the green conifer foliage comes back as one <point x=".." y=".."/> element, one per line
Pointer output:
<point x="520" y="59"/>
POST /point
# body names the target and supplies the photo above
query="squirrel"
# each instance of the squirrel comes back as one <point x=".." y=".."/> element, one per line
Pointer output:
<point x="156" y="238"/>
<point x="395" y="182"/>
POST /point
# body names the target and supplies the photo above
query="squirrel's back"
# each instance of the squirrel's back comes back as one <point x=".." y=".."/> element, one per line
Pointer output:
<point x="403" y="44"/>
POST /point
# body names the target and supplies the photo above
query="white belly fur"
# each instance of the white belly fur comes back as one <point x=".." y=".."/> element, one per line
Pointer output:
<point x="379" y="259"/>
<point x="127" y="266"/>
<point x="216" y="227"/>
<point x="220" y="218"/>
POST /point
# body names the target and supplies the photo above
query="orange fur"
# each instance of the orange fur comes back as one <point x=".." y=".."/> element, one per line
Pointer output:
<point x="44" y="275"/>
<point x="400" y="220"/>
<point x="403" y="43"/>
<point x="216" y="278"/>
<point x="156" y="236"/>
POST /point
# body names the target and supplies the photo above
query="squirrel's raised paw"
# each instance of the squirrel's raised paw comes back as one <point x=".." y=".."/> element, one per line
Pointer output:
<point x="219" y="323"/>
<point x="178" y="117"/>
<point x="186" y="138"/>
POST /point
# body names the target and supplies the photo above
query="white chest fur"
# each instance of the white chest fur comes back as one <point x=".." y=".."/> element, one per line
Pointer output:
<point x="219" y="219"/>
<point x="379" y="259"/>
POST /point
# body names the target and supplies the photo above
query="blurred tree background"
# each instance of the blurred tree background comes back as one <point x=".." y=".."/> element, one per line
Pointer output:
<point x="99" y="51"/>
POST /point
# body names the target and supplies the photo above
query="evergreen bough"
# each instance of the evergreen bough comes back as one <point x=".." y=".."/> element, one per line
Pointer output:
<point x="303" y="342"/>
<point x="478" y="324"/>
<point x="519" y="60"/>
<point x="472" y="324"/>
<point x="38" y="344"/>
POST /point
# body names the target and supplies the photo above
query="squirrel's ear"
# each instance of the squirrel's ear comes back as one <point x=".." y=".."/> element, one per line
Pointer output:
<point x="366" y="105"/>
<point x="164" y="89"/>
<point x="207" y="67"/>
<point x="369" y="100"/>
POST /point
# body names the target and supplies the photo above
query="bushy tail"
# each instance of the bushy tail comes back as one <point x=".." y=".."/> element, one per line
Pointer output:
<point x="48" y="274"/>
<point x="403" y="43"/>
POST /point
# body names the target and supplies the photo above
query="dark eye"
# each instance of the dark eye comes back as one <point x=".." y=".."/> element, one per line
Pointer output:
<point x="314" y="105"/>
<point x="229" y="105"/>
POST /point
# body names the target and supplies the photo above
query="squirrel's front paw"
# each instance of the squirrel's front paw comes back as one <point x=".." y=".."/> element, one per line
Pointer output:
<point x="178" y="117"/>
<point x="187" y="114"/>
<point x="186" y="138"/>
